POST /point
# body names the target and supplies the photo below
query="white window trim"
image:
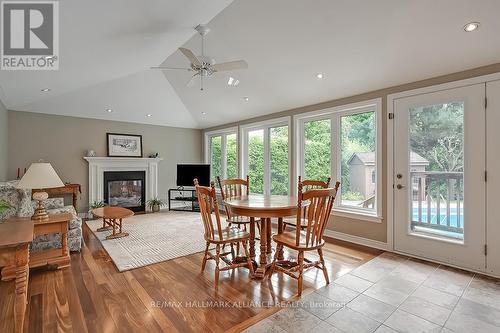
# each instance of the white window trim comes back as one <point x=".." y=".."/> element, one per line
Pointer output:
<point x="223" y="133"/>
<point x="265" y="125"/>
<point x="334" y="114"/>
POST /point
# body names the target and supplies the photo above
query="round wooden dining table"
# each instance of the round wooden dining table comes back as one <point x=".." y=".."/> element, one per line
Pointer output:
<point x="263" y="207"/>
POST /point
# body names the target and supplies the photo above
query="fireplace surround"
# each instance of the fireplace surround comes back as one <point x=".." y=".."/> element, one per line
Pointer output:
<point x="99" y="165"/>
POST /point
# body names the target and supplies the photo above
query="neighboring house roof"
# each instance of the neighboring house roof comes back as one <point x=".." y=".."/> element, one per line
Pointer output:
<point x="369" y="158"/>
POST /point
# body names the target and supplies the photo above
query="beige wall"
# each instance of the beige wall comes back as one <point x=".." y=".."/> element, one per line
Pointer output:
<point x="4" y="136"/>
<point x="64" y="141"/>
<point x="371" y="230"/>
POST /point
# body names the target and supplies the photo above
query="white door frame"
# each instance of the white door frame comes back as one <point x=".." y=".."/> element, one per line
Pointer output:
<point x="390" y="138"/>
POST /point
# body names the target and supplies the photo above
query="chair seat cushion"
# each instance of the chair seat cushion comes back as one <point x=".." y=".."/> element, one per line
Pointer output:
<point x="238" y="219"/>
<point x="288" y="239"/>
<point x="230" y="234"/>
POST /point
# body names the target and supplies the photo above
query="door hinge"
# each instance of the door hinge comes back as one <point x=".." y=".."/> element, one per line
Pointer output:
<point x="485" y="249"/>
<point x="485" y="102"/>
<point x="485" y="176"/>
<point x="391" y="115"/>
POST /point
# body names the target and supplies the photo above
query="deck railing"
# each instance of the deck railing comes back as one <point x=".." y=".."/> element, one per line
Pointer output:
<point x="437" y="200"/>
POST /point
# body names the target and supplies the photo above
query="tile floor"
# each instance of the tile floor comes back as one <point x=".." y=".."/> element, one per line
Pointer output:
<point x="392" y="293"/>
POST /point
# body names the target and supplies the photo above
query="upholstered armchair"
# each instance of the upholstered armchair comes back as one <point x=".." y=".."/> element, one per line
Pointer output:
<point x="21" y="205"/>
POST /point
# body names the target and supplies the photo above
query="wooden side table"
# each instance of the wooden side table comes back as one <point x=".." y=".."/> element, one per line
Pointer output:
<point x="57" y="223"/>
<point x="15" y="237"/>
<point x="112" y="219"/>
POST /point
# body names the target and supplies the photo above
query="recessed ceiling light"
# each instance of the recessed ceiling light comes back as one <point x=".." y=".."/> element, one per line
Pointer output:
<point x="232" y="81"/>
<point x="469" y="27"/>
<point x="319" y="75"/>
<point x="204" y="113"/>
<point x="46" y="89"/>
<point x="246" y="99"/>
<point x="149" y="115"/>
<point x="109" y="110"/>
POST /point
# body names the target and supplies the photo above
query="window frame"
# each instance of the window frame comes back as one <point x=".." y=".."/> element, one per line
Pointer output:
<point x="223" y="133"/>
<point x="266" y="125"/>
<point x="334" y="114"/>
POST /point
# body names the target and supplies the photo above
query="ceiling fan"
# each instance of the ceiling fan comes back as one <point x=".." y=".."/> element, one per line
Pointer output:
<point x="204" y="66"/>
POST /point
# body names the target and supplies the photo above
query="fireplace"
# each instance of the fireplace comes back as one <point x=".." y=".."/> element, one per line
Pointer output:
<point x="125" y="189"/>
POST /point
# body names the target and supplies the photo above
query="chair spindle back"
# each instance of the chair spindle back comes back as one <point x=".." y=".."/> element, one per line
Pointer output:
<point x="209" y="208"/>
<point x="231" y="188"/>
<point x="316" y="214"/>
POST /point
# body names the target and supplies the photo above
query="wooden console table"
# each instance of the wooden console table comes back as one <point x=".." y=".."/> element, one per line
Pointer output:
<point x="73" y="189"/>
<point x="15" y="237"/>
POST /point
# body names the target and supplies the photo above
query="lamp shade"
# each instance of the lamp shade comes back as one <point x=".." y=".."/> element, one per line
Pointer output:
<point x="40" y="176"/>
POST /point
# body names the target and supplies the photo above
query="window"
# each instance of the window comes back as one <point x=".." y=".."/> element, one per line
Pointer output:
<point x="317" y="149"/>
<point x="343" y="142"/>
<point x="215" y="157"/>
<point x="266" y="156"/>
<point x="256" y="161"/>
<point x="357" y="151"/>
<point x="222" y="153"/>
<point x="231" y="156"/>
<point x="279" y="160"/>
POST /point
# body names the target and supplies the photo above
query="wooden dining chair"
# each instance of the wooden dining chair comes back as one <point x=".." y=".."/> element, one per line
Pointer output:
<point x="311" y="238"/>
<point x="231" y="188"/>
<point x="307" y="184"/>
<point x="217" y="235"/>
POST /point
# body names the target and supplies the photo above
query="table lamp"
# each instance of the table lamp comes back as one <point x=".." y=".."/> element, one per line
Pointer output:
<point x="40" y="175"/>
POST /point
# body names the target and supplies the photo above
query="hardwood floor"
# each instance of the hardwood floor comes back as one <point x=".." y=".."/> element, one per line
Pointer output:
<point x="172" y="296"/>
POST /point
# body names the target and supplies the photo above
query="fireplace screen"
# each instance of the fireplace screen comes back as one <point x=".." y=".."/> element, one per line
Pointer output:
<point x="125" y="193"/>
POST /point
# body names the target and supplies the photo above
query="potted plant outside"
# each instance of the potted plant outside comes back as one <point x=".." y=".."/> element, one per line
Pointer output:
<point x="155" y="204"/>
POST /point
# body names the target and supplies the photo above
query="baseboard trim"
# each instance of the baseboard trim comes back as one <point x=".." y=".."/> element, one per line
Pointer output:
<point x="357" y="240"/>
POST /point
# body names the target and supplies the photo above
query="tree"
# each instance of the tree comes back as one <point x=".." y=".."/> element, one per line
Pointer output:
<point x="437" y="134"/>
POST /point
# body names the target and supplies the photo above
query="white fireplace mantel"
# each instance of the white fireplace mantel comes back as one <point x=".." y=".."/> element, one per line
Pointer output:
<point x="99" y="165"/>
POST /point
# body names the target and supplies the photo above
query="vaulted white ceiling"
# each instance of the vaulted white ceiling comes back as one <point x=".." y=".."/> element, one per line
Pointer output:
<point x="359" y="45"/>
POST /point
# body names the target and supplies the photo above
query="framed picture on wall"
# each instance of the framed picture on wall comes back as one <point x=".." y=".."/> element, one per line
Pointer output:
<point x="124" y="145"/>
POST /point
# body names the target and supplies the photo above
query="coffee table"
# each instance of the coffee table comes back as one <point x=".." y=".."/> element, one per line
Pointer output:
<point x="112" y="218"/>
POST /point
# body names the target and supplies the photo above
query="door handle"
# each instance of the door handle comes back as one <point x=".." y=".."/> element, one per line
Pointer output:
<point x="399" y="186"/>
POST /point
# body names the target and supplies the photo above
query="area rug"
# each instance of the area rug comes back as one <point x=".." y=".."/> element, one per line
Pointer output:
<point x="153" y="238"/>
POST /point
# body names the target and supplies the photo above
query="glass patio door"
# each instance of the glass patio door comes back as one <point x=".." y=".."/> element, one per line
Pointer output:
<point x="439" y="176"/>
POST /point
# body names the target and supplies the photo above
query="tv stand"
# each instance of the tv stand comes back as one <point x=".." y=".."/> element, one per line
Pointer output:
<point x="184" y="200"/>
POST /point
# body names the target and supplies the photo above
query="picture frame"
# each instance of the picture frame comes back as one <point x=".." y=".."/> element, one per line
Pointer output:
<point x="124" y="145"/>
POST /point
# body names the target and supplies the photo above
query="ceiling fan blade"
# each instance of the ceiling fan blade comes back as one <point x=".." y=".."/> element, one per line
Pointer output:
<point x="192" y="80"/>
<point x="230" y="66"/>
<point x="190" y="55"/>
<point x="170" y="68"/>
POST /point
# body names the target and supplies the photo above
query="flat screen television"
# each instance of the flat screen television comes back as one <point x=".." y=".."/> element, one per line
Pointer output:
<point x="186" y="173"/>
